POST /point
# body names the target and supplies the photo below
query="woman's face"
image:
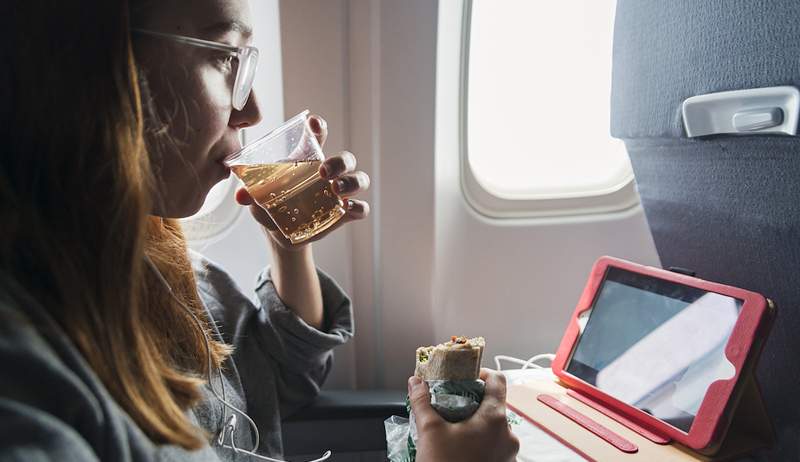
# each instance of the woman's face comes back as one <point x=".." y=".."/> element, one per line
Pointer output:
<point x="191" y="93"/>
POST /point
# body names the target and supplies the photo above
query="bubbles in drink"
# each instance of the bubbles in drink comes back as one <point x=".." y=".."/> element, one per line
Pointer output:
<point x="303" y="205"/>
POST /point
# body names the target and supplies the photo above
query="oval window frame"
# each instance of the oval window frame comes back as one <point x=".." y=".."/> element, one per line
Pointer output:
<point x="616" y="198"/>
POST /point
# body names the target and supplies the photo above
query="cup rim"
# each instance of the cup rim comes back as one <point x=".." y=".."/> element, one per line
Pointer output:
<point x="268" y="137"/>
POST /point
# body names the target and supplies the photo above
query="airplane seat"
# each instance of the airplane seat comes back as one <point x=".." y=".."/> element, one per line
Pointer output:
<point x="726" y="206"/>
<point x="347" y="422"/>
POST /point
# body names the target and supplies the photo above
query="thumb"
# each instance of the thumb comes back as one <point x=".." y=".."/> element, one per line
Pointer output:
<point x="494" y="396"/>
<point x="420" y="399"/>
<point x="243" y="197"/>
<point x="319" y="127"/>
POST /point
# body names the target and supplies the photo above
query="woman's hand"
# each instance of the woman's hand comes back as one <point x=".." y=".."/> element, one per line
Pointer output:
<point x="347" y="182"/>
<point x="484" y="437"/>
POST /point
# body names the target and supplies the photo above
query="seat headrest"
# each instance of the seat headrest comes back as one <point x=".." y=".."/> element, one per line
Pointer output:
<point x="667" y="51"/>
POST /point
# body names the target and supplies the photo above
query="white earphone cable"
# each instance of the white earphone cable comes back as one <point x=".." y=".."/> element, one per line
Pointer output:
<point x="231" y="424"/>
<point x="530" y="363"/>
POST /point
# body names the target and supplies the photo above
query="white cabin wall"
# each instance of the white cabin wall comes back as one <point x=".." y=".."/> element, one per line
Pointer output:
<point x="425" y="265"/>
<point x="513" y="281"/>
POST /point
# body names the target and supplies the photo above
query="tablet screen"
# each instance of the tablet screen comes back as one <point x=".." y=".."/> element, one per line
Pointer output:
<point x="654" y="344"/>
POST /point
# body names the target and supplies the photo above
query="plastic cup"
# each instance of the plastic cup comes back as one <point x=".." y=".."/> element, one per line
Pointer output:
<point x="280" y="170"/>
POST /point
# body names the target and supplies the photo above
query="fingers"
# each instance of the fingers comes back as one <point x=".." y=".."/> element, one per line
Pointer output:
<point x="336" y="166"/>
<point x="319" y="128"/>
<point x="420" y="399"/>
<point x="341" y="169"/>
<point x="494" y="397"/>
<point x="244" y="198"/>
<point x="262" y="217"/>
<point x="513" y="447"/>
<point x="356" y="209"/>
<point x="351" y="184"/>
<point x="493" y="413"/>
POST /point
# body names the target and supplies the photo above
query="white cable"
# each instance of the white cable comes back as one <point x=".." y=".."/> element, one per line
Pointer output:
<point x="525" y="364"/>
<point x="201" y="326"/>
<point x="232" y="421"/>
<point x="231" y="427"/>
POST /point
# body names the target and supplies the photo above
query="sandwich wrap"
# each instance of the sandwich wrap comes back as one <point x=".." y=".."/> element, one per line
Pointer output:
<point x="452" y="371"/>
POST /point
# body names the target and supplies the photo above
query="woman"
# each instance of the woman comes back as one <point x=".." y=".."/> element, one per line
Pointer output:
<point x="109" y="329"/>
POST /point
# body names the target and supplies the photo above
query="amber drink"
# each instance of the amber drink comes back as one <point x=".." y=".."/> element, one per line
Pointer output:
<point x="281" y="173"/>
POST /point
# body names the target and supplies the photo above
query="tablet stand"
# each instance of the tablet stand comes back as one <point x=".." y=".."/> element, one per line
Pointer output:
<point x="750" y="428"/>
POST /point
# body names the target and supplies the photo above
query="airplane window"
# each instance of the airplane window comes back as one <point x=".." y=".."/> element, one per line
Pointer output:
<point x="539" y="83"/>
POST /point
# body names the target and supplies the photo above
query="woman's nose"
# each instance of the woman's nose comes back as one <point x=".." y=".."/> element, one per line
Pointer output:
<point x="249" y="115"/>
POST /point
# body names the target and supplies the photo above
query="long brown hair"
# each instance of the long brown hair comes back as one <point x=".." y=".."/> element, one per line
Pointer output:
<point x="75" y="182"/>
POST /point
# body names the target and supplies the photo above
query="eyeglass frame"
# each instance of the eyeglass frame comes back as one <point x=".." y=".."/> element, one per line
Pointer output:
<point x="242" y="55"/>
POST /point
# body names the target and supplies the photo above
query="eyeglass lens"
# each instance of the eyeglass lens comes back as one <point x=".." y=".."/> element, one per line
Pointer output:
<point x="248" y="61"/>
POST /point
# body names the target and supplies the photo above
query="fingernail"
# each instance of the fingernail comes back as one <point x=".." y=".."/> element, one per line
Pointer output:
<point x="340" y="185"/>
<point x="315" y="125"/>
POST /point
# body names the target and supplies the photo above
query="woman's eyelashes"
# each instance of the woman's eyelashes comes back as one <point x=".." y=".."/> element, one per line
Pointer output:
<point x="226" y="62"/>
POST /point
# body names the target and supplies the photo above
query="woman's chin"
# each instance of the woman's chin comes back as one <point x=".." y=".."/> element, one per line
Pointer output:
<point x="193" y="210"/>
<point x="185" y="204"/>
<point x="183" y="209"/>
<point x="198" y="202"/>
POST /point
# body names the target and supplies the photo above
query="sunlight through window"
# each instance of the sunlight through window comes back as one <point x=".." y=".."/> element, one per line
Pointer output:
<point x="539" y="87"/>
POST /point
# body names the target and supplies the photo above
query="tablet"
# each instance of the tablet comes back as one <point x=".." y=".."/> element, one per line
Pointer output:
<point x="663" y="348"/>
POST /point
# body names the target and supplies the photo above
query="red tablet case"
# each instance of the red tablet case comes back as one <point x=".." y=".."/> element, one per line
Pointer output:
<point x="723" y="405"/>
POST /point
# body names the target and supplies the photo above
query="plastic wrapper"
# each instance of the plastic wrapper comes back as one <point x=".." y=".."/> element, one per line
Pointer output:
<point x="453" y="400"/>
<point x="397" y="439"/>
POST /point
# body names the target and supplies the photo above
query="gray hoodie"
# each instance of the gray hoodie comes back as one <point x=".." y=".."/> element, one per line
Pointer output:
<point x="54" y="408"/>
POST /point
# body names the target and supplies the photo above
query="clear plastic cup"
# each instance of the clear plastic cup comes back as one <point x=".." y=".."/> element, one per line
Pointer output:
<point x="280" y="170"/>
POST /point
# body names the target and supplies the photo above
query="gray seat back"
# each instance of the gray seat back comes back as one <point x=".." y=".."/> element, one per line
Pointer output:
<point x="727" y="207"/>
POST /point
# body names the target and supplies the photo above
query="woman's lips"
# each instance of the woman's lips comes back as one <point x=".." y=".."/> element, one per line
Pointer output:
<point x="221" y="159"/>
<point x="222" y="170"/>
<point x="229" y="151"/>
<point x="223" y="155"/>
<point x="226" y="170"/>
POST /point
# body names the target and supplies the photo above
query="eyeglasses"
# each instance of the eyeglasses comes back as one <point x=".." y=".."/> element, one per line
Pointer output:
<point x="246" y="56"/>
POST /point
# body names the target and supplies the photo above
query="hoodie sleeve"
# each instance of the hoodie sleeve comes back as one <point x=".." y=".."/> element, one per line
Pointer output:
<point x="273" y="346"/>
